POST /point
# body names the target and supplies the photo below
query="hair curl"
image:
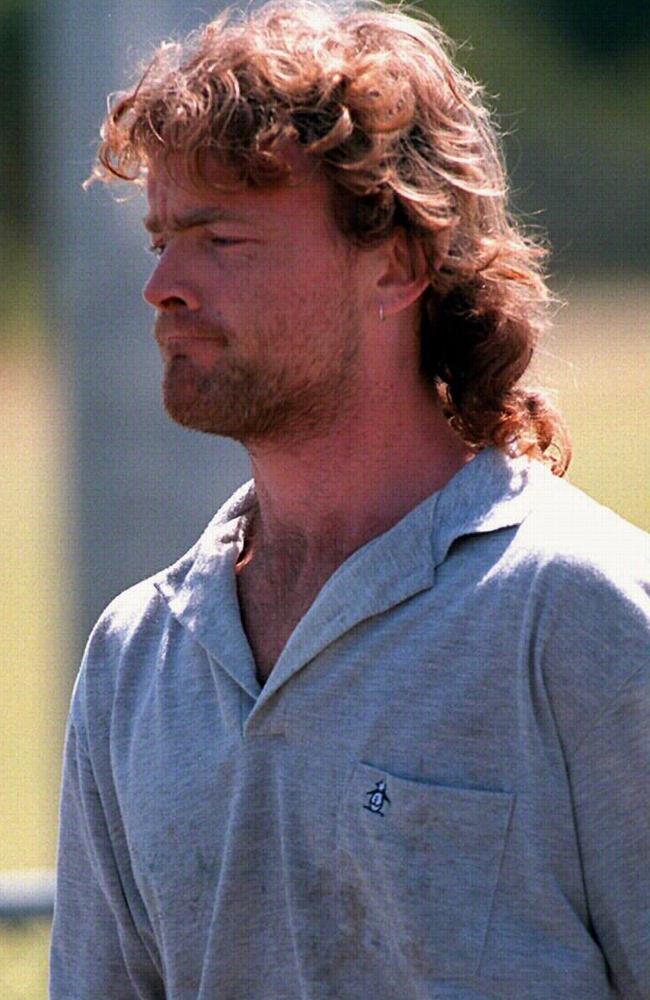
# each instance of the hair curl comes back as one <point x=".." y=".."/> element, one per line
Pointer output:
<point x="372" y="93"/>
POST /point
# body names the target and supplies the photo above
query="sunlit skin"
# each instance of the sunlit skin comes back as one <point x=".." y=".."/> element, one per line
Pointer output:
<point x="259" y="335"/>
<point x="269" y="327"/>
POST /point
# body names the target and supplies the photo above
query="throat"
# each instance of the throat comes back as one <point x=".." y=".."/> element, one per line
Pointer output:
<point x="270" y="612"/>
<point x="277" y="586"/>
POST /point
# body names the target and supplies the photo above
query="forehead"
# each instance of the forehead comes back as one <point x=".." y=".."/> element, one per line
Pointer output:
<point x="307" y="194"/>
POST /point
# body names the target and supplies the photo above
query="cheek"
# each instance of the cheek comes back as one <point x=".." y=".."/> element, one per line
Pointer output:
<point x="306" y="283"/>
<point x="316" y="266"/>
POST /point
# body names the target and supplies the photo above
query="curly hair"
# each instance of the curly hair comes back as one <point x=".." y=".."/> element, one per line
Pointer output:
<point x="372" y="93"/>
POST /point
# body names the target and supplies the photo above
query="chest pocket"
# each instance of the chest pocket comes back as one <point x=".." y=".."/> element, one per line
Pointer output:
<point x="418" y="866"/>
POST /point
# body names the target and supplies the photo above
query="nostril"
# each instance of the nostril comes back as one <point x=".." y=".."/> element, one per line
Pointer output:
<point x="173" y="302"/>
<point x="169" y="293"/>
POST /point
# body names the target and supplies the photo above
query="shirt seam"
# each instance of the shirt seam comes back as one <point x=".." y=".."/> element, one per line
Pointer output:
<point x="611" y="703"/>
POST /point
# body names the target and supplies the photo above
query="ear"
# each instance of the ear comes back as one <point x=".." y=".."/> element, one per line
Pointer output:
<point x="405" y="274"/>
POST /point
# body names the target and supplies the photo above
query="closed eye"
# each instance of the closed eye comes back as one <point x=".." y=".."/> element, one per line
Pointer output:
<point x="226" y="241"/>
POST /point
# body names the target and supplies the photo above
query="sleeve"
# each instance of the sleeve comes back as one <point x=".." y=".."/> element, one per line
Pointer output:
<point x="98" y="945"/>
<point x="610" y="776"/>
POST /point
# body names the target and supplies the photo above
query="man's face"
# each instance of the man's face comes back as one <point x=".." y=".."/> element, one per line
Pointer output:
<point x="258" y="308"/>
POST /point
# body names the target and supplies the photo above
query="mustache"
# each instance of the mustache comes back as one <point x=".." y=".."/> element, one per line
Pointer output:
<point x="170" y="325"/>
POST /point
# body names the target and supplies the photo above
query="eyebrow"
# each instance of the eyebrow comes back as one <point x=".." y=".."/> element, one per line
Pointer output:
<point x="189" y="220"/>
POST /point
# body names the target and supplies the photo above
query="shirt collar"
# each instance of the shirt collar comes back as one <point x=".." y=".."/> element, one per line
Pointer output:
<point x="492" y="491"/>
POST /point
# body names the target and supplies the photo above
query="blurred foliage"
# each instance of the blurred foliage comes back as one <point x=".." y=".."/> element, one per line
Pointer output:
<point x="17" y="50"/>
<point x="577" y="128"/>
<point x="17" y="168"/>
<point x="602" y="28"/>
<point x="524" y="55"/>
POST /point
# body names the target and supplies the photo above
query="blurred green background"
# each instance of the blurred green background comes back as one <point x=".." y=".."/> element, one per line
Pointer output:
<point x="571" y="84"/>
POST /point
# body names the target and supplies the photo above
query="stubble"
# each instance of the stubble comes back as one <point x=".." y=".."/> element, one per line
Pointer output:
<point x="286" y="386"/>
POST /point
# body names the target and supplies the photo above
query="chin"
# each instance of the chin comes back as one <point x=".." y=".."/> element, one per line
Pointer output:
<point x="185" y="409"/>
<point x="195" y="412"/>
<point x="201" y="402"/>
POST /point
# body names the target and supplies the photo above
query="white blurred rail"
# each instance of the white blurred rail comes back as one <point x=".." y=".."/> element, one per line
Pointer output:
<point x="26" y="894"/>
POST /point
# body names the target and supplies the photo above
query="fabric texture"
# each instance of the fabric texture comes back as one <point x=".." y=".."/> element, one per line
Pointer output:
<point x="442" y="790"/>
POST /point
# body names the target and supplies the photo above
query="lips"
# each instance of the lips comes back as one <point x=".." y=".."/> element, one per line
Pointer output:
<point x="177" y="339"/>
<point x="201" y="351"/>
<point x="168" y="333"/>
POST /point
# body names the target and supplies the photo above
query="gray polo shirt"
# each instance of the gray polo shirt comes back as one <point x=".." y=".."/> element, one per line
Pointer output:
<point x="442" y="791"/>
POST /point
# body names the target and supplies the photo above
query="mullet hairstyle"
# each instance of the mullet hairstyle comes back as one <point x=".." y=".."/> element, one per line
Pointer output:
<point x="369" y="91"/>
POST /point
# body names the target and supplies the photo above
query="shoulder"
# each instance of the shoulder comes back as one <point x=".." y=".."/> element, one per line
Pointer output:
<point x="143" y="609"/>
<point x="161" y="619"/>
<point x="158" y="618"/>
<point x="127" y="630"/>
<point x="590" y="560"/>
<point x="541" y="523"/>
<point x="562" y="583"/>
<point x="535" y="533"/>
<point x="132" y="614"/>
<point x="586" y="599"/>
<point x="566" y="526"/>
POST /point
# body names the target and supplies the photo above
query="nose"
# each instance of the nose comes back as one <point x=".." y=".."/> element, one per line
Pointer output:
<point x="169" y="289"/>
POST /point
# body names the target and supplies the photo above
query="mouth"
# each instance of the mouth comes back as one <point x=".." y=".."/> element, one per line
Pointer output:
<point x="177" y="328"/>
<point x="175" y="346"/>
<point x="179" y="341"/>
<point x="200" y="352"/>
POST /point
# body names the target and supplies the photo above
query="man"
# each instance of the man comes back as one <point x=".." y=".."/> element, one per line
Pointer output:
<point x="383" y="731"/>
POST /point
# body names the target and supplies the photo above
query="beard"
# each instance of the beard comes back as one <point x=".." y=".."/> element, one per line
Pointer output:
<point x="271" y="395"/>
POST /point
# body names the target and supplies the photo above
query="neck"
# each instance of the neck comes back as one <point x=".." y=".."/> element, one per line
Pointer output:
<point x="322" y="500"/>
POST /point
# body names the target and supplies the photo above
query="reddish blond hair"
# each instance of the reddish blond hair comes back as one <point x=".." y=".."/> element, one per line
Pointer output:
<point x="370" y="92"/>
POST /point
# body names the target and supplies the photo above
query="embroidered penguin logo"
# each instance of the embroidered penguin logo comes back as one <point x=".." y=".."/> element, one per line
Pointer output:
<point x="377" y="798"/>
